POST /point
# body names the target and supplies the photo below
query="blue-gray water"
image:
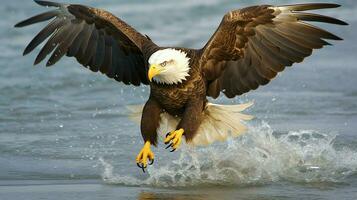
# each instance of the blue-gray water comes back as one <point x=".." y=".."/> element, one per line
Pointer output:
<point x="64" y="133"/>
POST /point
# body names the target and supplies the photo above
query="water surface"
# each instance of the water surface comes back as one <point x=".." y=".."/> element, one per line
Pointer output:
<point x="64" y="133"/>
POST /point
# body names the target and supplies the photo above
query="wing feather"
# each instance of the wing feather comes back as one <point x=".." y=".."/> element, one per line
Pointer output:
<point x="38" y="18"/>
<point x="96" y="38"/>
<point x="52" y="43"/>
<point x="252" y="45"/>
<point x="63" y="46"/>
<point x="79" y="39"/>
<point x="43" y="35"/>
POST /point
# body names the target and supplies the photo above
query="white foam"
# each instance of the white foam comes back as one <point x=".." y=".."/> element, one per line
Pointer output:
<point x="257" y="157"/>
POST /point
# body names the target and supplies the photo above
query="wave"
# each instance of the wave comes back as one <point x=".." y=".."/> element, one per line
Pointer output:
<point x="259" y="157"/>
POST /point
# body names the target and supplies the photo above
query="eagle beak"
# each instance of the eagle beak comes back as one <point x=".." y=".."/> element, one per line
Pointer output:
<point x="153" y="71"/>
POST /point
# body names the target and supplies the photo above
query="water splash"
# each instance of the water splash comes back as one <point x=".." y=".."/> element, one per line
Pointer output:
<point x="258" y="157"/>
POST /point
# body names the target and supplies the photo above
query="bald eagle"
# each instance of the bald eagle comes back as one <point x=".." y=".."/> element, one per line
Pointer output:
<point x="249" y="48"/>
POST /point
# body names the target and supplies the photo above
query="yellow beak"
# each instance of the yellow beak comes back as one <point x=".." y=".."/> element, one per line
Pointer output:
<point x="153" y="71"/>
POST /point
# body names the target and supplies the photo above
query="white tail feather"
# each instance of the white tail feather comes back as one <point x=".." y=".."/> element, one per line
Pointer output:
<point x="219" y="122"/>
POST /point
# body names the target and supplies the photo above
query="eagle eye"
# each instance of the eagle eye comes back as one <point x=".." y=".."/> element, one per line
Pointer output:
<point x="164" y="64"/>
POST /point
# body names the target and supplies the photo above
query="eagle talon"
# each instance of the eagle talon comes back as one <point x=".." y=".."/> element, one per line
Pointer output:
<point x="144" y="155"/>
<point x="151" y="162"/>
<point x="170" y="145"/>
<point x="174" y="138"/>
<point x="141" y="166"/>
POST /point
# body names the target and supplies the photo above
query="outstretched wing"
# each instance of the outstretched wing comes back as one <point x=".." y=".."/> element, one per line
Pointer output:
<point x="96" y="38"/>
<point x="252" y="45"/>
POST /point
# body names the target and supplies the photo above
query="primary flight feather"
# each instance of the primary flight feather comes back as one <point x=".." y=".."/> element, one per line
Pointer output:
<point x="249" y="48"/>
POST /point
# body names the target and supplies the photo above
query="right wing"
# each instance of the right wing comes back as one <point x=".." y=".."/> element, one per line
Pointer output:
<point x="96" y="38"/>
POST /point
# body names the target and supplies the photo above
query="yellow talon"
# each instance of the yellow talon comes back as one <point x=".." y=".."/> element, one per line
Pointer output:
<point x="144" y="155"/>
<point x="175" y="137"/>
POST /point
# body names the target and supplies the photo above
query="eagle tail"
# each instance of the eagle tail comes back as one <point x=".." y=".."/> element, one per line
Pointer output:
<point x="220" y="122"/>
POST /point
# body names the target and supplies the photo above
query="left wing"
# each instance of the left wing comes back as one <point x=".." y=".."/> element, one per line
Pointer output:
<point x="252" y="45"/>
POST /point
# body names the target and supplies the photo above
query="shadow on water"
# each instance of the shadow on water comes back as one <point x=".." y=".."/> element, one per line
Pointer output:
<point x="278" y="191"/>
<point x="170" y="196"/>
<point x="246" y="193"/>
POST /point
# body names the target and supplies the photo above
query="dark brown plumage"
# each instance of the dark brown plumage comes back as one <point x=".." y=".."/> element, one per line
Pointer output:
<point x="97" y="39"/>
<point x="249" y="48"/>
<point x="252" y="45"/>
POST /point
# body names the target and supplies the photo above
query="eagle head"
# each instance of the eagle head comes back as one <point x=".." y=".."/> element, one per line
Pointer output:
<point x="168" y="66"/>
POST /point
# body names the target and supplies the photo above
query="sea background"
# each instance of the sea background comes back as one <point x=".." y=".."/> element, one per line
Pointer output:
<point x="64" y="131"/>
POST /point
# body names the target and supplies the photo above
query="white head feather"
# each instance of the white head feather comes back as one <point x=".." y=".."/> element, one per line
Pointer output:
<point x="177" y="65"/>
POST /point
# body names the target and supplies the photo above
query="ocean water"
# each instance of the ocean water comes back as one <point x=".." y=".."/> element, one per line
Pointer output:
<point x="64" y="131"/>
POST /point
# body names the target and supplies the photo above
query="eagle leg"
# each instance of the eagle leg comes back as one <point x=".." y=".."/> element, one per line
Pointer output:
<point x="144" y="155"/>
<point x="174" y="138"/>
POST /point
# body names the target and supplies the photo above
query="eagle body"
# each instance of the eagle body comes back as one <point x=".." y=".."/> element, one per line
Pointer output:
<point x="248" y="49"/>
<point x="176" y="99"/>
<point x="173" y="98"/>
